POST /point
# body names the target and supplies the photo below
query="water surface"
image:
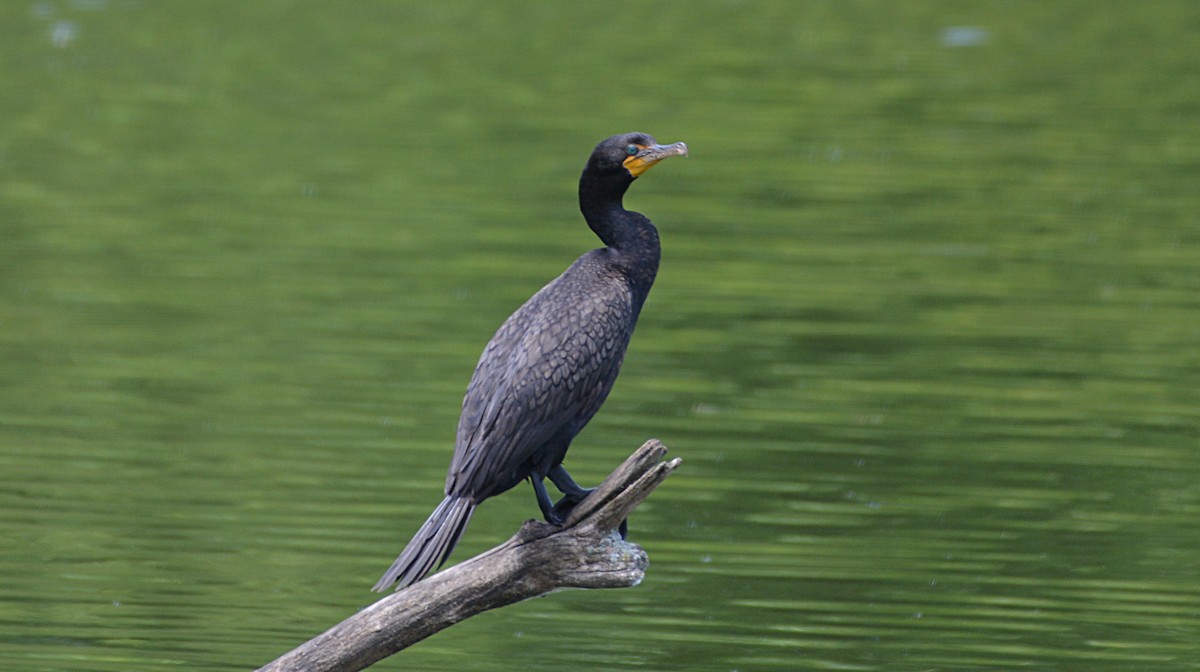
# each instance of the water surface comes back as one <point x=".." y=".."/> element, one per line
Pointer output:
<point x="925" y="333"/>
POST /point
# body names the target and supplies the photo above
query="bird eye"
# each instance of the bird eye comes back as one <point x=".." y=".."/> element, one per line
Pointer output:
<point x="631" y="150"/>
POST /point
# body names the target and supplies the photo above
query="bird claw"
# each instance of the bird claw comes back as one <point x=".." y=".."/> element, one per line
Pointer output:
<point x="563" y="507"/>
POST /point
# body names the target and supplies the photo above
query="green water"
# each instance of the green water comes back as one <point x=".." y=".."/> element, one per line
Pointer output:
<point x="926" y="332"/>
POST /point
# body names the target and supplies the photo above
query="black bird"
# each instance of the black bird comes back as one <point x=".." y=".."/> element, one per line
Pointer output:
<point x="551" y="364"/>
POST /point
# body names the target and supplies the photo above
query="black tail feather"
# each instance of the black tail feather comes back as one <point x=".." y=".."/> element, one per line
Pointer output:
<point x="431" y="545"/>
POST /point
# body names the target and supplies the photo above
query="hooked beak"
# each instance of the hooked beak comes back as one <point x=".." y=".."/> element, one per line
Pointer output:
<point x="641" y="162"/>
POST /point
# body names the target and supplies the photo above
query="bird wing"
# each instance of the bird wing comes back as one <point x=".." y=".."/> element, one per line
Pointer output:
<point x="542" y="377"/>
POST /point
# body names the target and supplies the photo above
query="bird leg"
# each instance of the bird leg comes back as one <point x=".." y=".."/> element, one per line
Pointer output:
<point x="567" y="485"/>
<point x="573" y="493"/>
<point x="544" y="502"/>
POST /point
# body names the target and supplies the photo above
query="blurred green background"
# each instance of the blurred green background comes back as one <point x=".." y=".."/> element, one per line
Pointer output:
<point x="925" y="335"/>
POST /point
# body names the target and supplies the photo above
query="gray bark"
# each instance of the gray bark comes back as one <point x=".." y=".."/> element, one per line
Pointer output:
<point x="586" y="552"/>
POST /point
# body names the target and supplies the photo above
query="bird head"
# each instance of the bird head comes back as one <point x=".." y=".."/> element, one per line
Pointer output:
<point x="631" y="154"/>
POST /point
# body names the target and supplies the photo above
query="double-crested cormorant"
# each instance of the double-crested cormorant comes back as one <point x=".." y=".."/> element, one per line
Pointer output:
<point x="551" y="364"/>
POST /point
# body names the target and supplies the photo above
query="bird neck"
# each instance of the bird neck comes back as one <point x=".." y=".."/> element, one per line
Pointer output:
<point x="630" y="237"/>
<point x="629" y="233"/>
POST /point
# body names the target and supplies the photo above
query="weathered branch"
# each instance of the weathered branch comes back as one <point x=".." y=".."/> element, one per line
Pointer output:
<point x="586" y="552"/>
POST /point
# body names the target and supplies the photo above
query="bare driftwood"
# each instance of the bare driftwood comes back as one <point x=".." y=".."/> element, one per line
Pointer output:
<point x="586" y="552"/>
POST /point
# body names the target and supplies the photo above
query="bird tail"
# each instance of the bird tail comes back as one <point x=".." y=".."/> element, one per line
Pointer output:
<point x="431" y="544"/>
